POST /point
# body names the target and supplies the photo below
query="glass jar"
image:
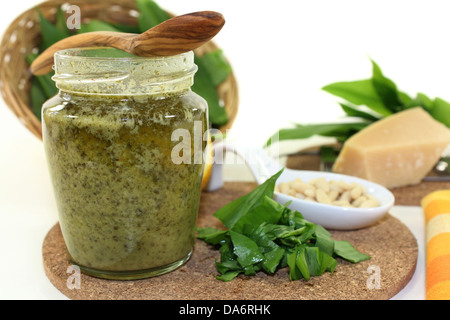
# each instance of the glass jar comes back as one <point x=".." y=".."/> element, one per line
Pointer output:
<point x="127" y="209"/>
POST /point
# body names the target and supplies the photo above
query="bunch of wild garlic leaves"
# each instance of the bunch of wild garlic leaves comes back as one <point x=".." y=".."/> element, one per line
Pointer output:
<point x="264" y="235"/>
<point x="367" y="101"/>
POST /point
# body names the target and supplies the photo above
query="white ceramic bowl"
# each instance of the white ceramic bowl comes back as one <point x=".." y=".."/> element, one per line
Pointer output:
<point x="335" y="217"/>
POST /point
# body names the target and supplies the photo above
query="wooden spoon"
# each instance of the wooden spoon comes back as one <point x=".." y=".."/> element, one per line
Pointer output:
<point x="174" y="36"/>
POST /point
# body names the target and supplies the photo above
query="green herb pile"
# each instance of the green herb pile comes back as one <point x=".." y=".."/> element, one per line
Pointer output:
<point x="213" y="68"/>
<point x="264" y="235"/>
<point x="364" y="102"/>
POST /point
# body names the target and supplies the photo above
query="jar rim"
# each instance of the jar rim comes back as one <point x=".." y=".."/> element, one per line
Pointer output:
<point x="73" y="53"/>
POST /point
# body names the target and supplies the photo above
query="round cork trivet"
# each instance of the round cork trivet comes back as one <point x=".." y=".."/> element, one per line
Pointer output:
<point x="392" y="247"/>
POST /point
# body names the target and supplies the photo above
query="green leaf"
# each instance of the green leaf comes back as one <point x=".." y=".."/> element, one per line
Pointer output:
<point x="228" y="276"/>
<point x="328" y="154"/>
<point x="323" y="240"/>
<point x="404" y="98"/>
<point x="235" y="210"/>
<point x="354" y="112"/>
<point x="286" y="235"/>
<point x="258" y="233"/>
<point x="346" y="251"/>
<point x="211" y="235"/>
<point x="245" y="249"/>
<point x="440" y="110"/>
<point x="271" y="251"/>
<point x="250" y="270"/>
<point x="97" y="25"/>
<point x="216" y="66"/>
<point x="310" y="229"/>
<point x="204" y="87"/>
<point x="272" y="259"/>
<point x="329" y="129"/>
<point x="127" y="28"/>
<point x="150" y="14"/>
<point x="37" y="97"/>
<point x="361" y="92"/>
<point x="47" y="84"/>
<point x="386" y="89"/>
<point x="226" y="250"/>
<point x="50" y="33"/>
<point x="294" y="272"/>
<point x="291" y="234"/>
<point x="282" y="231"/>
<point x="328" y="263"/>
<point x="302" y="264"/>
<point x="421" y="100"/>
<point x="313" y="261"/>
<point x="228" y="265"/>
<point x="342" y="131"/>
<point x="61" y="22"/>
<point x="293" y="218"/>
<point x="269" y="212"/>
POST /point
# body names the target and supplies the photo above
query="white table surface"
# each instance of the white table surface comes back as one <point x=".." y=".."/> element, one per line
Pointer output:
<point x="28" y="211"/>
<point x="319" y="47"/>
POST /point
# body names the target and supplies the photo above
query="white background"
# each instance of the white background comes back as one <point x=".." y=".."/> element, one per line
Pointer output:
<point x="282" y="53"/>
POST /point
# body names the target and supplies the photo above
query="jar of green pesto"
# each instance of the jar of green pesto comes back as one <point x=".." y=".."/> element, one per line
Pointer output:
<point x="127" y="210"/>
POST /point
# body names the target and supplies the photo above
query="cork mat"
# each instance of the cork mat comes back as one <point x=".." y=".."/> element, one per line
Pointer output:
<point x="392" y="247"/>
<point x="404" y="196"/>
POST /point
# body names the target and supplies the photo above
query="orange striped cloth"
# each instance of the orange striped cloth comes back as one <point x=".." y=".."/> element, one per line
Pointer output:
<point x="436" y="207"/>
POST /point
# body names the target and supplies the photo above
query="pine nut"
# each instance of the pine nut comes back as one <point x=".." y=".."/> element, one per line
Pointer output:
<point x="338" y="193"/>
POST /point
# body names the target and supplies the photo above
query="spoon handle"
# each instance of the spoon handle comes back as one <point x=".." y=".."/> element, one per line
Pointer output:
<point x="43" y="63"/>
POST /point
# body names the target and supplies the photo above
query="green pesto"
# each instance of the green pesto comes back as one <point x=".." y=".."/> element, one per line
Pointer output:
<point x="123" y="204"/>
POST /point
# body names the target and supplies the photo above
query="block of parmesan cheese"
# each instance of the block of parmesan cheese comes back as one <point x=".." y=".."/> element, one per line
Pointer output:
<point x="396" y="151"/>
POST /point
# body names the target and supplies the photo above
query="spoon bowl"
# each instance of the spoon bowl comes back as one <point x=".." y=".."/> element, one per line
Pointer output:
<point x="333" y="217"/>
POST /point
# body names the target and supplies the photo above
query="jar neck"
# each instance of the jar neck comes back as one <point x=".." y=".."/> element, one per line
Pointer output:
<point x="79" y="97"/>
<point x="94" y="72"/>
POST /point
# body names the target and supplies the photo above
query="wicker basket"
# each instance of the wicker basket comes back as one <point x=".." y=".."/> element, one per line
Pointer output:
<point x="23" y="36"/>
